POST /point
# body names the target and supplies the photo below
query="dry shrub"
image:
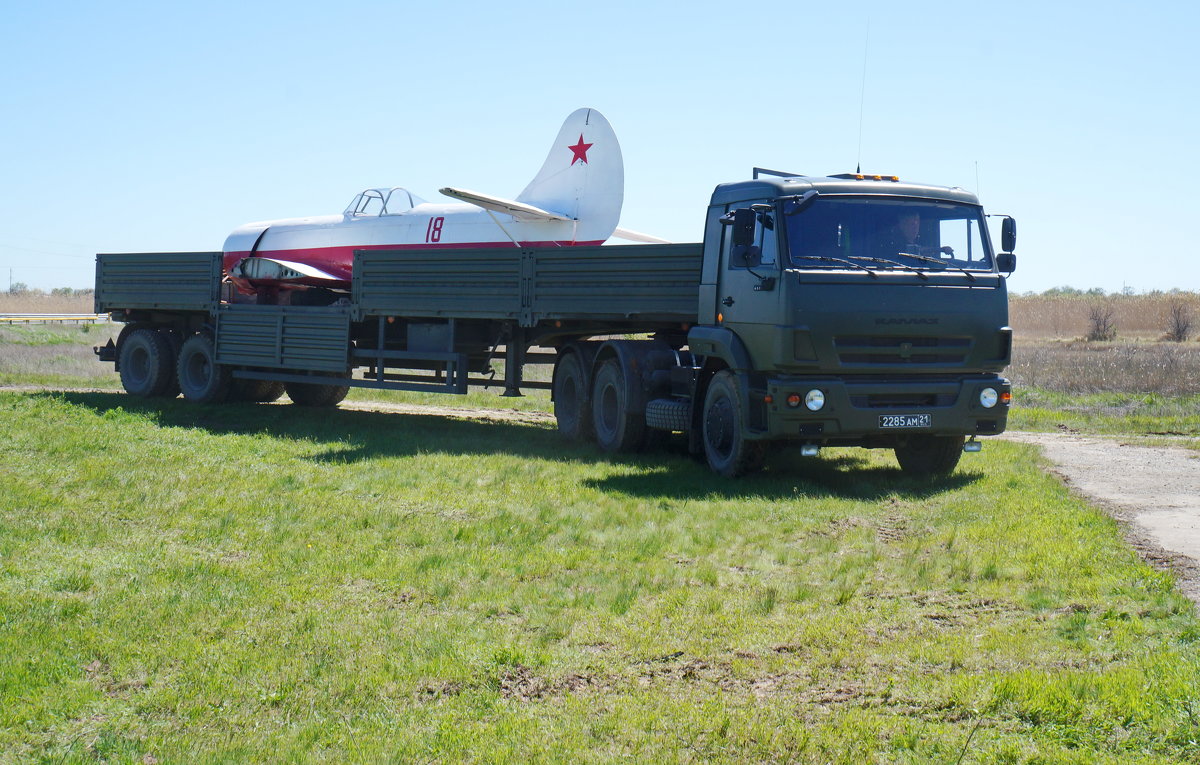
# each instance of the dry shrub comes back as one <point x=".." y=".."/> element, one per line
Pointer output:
<point x="1080" y="367"/>
<point x="1179" y="323"/>
<point x="1100" y="324"/>
<point x="1068" y="316"/>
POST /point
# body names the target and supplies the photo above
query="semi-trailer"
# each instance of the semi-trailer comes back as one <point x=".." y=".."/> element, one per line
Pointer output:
<point x="847" y="310"/>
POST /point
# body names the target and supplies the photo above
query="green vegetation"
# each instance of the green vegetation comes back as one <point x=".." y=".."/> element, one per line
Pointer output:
<point x="1121" y="414"/>
<point x="57" y="355"/>
<point x="246" y="583"/>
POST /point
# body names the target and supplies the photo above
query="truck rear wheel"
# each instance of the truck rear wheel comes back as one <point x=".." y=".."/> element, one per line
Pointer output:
<point x="201" y="379"/>
<point x="570" y="389"/>
<point x="174" y="343"/>
<point x="929" y="456"/>
<point x="726" y="449"/>
<point x="256" y="391"/>
<point x="316" y="394"/>
<point x="617" y="429"/>
<point x="147" y="363"/>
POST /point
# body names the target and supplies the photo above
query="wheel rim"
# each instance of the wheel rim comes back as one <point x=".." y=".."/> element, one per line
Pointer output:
<point x="197" y="369"/>
<point x="568" y="399"/>
<point x="718" y="427"/>
<point x="139" y="364"/>
<point x="609" y="406"/>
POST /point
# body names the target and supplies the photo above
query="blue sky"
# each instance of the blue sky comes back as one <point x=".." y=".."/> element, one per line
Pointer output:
<point x="162" y="126"/>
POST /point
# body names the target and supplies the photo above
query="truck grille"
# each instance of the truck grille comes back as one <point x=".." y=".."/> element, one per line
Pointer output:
<point x="893" y="349"/>
<point x="902" y="400"/>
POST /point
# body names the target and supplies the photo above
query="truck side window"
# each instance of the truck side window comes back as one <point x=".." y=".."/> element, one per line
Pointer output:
<point x="765" y="250"/>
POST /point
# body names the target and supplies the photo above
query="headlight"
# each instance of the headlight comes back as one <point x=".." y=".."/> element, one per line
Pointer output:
<point x="814" y="400"/>
<point x="988" y="397"/>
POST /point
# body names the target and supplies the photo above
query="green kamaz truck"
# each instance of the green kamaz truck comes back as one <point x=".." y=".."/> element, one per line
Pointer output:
<point x="849" y="310"/>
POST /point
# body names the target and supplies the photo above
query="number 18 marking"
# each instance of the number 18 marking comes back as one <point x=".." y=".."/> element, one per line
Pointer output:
<point x="433" y="232"/>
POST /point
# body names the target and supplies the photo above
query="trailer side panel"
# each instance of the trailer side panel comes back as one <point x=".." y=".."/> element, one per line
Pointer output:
<point x="182" y="281"/>
<point x="284" y="337"/>
<point x="659" y="282"/>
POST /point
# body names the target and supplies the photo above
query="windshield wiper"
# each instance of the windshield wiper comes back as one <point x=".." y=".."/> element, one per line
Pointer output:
<point x="895" y="263"/>
<point x="826" y="259"/>
<point x="940" y="262"/>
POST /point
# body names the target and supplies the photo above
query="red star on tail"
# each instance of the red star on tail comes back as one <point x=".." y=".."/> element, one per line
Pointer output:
<point x="580" y="151"/>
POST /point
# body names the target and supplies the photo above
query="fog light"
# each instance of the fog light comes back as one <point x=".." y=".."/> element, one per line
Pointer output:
<point x="814" y="400"/>
<point x="988" y="397"/>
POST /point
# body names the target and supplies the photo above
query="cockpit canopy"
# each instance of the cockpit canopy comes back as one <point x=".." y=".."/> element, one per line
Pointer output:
<point x="374" y="202"/>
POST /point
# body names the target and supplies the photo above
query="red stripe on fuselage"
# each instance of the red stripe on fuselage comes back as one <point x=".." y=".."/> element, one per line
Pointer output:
<point x="339" y="261"/>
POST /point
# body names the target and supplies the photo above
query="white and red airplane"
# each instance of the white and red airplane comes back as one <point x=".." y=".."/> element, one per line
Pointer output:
<point x="574" y="200"/>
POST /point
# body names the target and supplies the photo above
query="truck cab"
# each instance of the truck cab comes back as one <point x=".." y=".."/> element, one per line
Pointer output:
<point x="852" y="310"/>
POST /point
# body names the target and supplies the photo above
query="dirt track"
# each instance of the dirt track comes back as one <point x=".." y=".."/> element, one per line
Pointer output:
<point x="1153" y="490"/>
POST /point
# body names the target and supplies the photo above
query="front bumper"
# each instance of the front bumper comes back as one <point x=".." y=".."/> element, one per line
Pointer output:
<point x="855" y="410"/>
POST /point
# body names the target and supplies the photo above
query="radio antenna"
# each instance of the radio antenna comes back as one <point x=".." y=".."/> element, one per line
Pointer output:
<point x="862" y="98"/>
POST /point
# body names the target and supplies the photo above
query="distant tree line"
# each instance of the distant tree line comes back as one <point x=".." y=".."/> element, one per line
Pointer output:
<point x="21" y="288"/>
<point x="1069" y="291"/>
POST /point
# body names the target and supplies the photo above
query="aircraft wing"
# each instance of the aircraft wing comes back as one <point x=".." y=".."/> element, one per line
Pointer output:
<point x="518" y="210"/>
<point x="637" y="236"/>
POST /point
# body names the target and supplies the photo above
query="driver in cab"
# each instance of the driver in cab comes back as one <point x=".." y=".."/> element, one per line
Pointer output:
<point x="904" y="237"/>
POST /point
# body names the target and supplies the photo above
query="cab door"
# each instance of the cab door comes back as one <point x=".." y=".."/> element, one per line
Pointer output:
<point x="748" y="281"/>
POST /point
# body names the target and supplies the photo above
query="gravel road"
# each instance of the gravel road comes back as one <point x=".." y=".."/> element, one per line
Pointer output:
<point x="1153" y="490"/>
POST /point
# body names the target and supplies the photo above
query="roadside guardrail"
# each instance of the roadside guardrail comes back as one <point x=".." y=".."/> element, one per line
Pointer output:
<point x="54" y="318"/>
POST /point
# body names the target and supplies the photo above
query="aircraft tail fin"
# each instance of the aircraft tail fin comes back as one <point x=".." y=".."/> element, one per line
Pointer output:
<point x="583" y="177"/>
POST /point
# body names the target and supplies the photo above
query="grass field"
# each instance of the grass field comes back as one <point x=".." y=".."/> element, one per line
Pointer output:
<point x="255" y="583"/>
<point x="182" y="583"/>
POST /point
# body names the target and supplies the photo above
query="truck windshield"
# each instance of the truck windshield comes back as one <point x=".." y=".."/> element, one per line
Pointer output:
<point x="886" y="234"/>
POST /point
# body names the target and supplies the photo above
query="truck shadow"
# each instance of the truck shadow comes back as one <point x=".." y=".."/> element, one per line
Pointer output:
<point x="348" y="436"/>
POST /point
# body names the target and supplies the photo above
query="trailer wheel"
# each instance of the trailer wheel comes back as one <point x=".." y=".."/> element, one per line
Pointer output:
<point x="146" y="363"/>
<point x="727" y="451"/>
<point x="256" y="391"/>
<point x="201" y="379"/>
<point x="929" y="456"/>
<point x="570" y="397"/>
<point x="617" y="429"/>
<point x="174" y="342"/>
<point x="316" y="394"/>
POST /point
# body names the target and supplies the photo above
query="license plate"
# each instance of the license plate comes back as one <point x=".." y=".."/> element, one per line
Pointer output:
<point x="905" y="421"/>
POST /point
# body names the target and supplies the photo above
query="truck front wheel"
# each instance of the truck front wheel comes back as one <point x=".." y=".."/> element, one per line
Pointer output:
<point x="201" y="378"/>
<point x="147" y="363"/>
<point x="728" y="452"/>
<point x="929" y="456"/>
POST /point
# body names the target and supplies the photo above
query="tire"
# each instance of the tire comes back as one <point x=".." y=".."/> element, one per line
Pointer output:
<point x="316" y="394"/>
<point x="256" y="391"/>
<point x="616" y="428"/>
<point x="201" y="379"/>
<point x="929" y="456"/>
<point x="146" y="362"/>
<point x="174" y="343"/>
<point x="669" y="414"/>
<point x="726" y="449"/>
<point x="570" y="399"/>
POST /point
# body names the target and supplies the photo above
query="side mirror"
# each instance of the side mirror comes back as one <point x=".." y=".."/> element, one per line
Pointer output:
<point x="799" y="204"/>
<point x="743" y="227"/>
<point x="1008" y="235"/>
<point x="1006" y="262"/>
